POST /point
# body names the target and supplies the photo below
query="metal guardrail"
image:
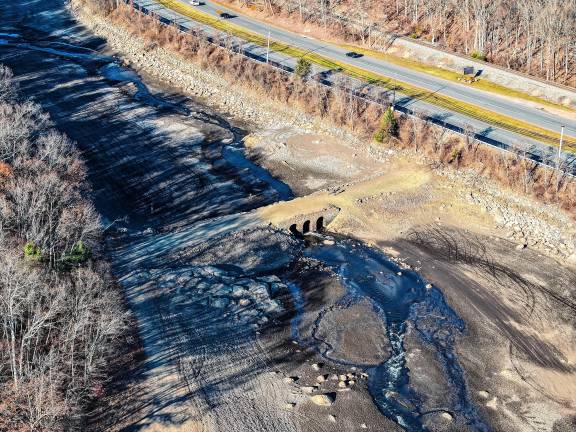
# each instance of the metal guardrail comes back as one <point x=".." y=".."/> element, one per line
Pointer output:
<point x="570" y="161"/>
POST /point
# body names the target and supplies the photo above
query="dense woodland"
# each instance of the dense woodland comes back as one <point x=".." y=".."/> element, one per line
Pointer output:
<point x="533" y="36"/>
<point x="59" y="315"/>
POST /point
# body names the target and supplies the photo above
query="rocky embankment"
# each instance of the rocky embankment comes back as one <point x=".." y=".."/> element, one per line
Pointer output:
<point x="171" y="69"/>
<point x="541" y="227"/>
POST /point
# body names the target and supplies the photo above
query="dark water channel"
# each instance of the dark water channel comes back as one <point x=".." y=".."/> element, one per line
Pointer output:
<point x="399" y="300"/>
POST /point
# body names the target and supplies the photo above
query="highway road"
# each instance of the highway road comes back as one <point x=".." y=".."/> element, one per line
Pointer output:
<point x="433" y="84"/>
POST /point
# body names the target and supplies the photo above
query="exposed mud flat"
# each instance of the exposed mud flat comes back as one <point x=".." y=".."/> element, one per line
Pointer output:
<point x="517" y="318"/>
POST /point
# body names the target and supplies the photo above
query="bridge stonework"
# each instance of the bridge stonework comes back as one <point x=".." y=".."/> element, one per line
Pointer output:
<point x="310" y="222"/>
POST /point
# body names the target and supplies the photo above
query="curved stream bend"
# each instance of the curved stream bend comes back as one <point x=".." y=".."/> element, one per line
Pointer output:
<point x="400" y="298"/>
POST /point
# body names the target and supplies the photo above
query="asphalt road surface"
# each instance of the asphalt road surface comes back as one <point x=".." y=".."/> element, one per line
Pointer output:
<point x="431" y="83"/>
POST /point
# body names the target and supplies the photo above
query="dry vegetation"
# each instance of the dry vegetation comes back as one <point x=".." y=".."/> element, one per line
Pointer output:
<point x="344" y="110"/>
<point x="59" y="314"/>
<point x="533" y="36"/>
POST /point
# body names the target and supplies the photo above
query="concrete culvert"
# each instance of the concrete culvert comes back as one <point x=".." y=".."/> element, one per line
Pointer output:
<point x="320" y="224"/>
<point x="293" y="229"/>
<point x="306" y="227"/>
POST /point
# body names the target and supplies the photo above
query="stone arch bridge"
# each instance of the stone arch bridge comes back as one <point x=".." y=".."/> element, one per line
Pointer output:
<point x="300" y="215"/>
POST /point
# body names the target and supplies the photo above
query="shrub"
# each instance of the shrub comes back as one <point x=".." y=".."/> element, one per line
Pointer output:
<point x="79" y="254"/>
<point x="303" y="68"/>
<point x="388" y="126"/>
<point x="478" y="56"/>
<point x="32" y="252"/>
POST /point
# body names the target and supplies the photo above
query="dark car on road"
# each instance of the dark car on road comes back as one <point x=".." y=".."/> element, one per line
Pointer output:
<point x="353" y="54"/>
<point x="224" y="15"/>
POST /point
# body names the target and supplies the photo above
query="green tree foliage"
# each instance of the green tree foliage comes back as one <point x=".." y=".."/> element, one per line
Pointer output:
<point x="303" y="68"/>
<point x="32" y="252"/>
<point x="79" y="254"/>
<point x="388" y="126"/>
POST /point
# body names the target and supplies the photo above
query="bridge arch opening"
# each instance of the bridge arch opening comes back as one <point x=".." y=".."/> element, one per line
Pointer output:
<point x="294" y="229"/>
<point x="306" y="227"/>
<point x="320" y="224"/>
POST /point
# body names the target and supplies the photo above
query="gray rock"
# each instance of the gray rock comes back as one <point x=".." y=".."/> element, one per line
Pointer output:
<point x="221" y="289"/>
<point x="483" y="394"/>
<point x="220" y="302"/>
<point x="447" y="416"/>
<point x="238" y="291"/>
<point x="259" y="291"/>
<point x="270" y="279"/>
<point x="308" y="389"/>
<point x="317" y="366"/>
<point x="321" y="378"/>
<point x="244" y="302"/>
<point x="275" y="288"/>
<point x="271" y="307"/>
<point x="323" y="399"/>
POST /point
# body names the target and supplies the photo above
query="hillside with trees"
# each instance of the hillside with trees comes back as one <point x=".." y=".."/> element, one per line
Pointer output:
<point x="537" y="37"/>
<point x="59" y="314"/>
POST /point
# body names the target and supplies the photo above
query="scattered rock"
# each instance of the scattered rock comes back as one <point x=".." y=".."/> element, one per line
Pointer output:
<point x="321" y="378"/>
<point x="308" y="389"/>
<point x="323" y="399"/>
<point x="328" y="242"/>
<point x="332" y="418"/>
<point x="363" y="426"/>
<point x="521" y="246"/>
<point x="289" y="406"/>
<point x="290" y="379"/>
<point x="429" y="286"/>
<point x="447" y="416"/>
<point x="317" y="366"/>
<point x="483" y="394"/>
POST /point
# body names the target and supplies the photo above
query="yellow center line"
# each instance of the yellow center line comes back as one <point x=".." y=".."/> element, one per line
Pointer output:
<point x="504" y="122"/>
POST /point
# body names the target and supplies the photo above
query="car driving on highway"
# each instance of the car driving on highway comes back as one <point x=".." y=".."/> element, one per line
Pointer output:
<point x="353" y="54"/>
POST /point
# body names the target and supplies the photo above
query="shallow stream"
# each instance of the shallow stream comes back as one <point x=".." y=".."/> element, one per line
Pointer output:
<point x="400" y="298"/>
